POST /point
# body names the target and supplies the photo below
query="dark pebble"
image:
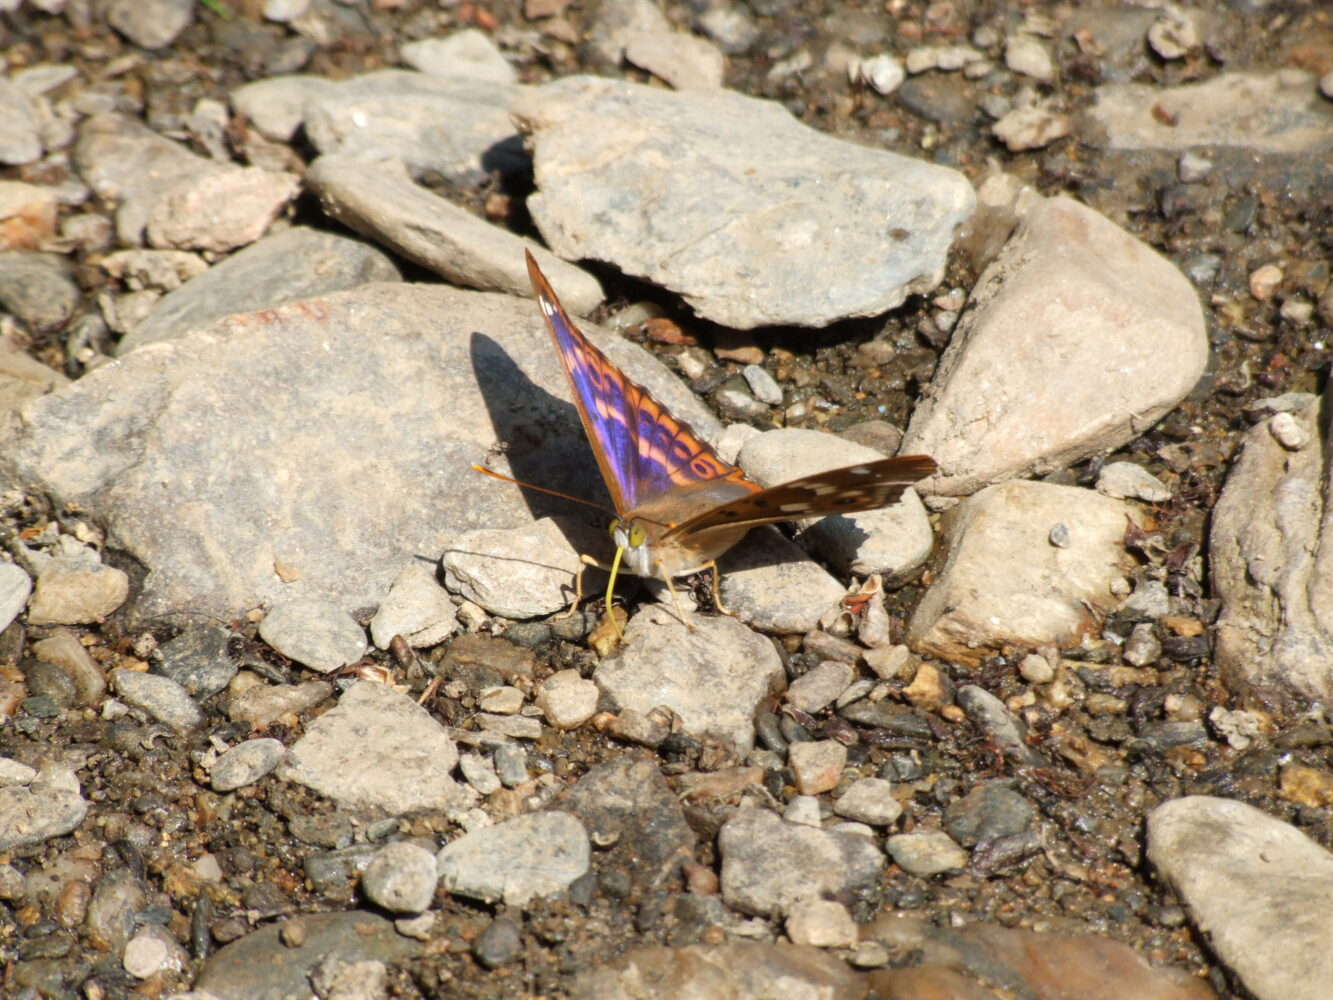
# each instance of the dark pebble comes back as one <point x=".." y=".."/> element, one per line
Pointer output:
<point x="769" y="731"/>
<point x="792" y="731"/>
<point x="47" y="681"/>
<point x="1182" y="647"/>
<point x="198" y="661"/>
<point x="900" y="720"/>
<point x="499" y="944"/>
<point x="1158" y="736"/>
<point x="988" y="812"/>
<point x="529" y="634"/>
<point x="41" y="707"/>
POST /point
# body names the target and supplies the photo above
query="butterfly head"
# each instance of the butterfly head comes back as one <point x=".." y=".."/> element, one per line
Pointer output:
<point x="632" y="543"/>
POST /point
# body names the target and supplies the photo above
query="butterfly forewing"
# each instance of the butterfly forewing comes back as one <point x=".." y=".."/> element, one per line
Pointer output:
<point x="643" y="451"/>
<point x="867" y="486"/>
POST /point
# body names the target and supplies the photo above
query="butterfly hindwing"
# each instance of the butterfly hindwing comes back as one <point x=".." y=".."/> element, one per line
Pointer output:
<point x="642" y="450"/>
<point x="849" y="490"/>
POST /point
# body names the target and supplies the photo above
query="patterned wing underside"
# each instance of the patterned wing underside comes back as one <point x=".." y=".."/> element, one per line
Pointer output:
<point x="643" y="451"/>
<point x="855" y="488"/>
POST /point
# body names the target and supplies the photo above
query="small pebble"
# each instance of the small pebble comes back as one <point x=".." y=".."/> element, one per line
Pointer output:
<point x="479" y="772"/>
<point x="503" y="700"/>
<point x="1192" y="168"/>
<point x="511" y="764"/>
<point x="823" y="923"/>
<point x="567" y="699"/>
<point x="819" y="687"/>
<point x="401" y="878"/>
<point x="1289" y="431"/>
<point x="245" y="763"/>
<point x="929" y="853"/>
<point x="1036" y="669"/>
<point x="803" y="809"/>
<point x="1264" y="281"/>
<point x="817" y="765"/>
<point x="869" y="800"/>
<point x="499" y="944"/>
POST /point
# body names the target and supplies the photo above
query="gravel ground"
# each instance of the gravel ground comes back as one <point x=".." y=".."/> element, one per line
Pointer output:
<point x="250" y="803"/>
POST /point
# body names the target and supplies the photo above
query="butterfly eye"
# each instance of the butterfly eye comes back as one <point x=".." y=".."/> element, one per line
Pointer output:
<point x="636" y="536"/>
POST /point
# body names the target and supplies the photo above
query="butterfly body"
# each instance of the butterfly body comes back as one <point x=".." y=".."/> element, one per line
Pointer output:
<point x="679" y="505"/>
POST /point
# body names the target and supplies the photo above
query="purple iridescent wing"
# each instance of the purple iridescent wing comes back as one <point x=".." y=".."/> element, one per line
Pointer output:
<point x="643" y="451"/>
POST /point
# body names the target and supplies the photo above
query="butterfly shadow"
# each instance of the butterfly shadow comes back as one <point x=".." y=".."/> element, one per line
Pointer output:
<point x="543" y="442"/>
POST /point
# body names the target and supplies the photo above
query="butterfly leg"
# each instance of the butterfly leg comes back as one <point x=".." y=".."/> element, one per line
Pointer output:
<point x="585" y="561"/>
<point x="680" y="611"/>
<point x="717" y="589"/>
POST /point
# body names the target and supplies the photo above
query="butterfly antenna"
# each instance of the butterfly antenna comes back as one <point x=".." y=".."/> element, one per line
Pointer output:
<point x="540" y="489"/>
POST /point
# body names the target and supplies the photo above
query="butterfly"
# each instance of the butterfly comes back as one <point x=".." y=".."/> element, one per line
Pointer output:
<point x="678" y="505"/>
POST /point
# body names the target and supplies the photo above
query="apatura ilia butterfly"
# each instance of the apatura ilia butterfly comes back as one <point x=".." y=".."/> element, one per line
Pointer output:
<point x="678" y="505"/>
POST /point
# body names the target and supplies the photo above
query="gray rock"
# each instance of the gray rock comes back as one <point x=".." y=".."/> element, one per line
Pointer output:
<point x="566" y="699"/>
<point x="988" y="812"/>
<point x="1226" y="860"/>
<point x="1273" y="113"/>
<point x="499" y="944"/>
<point x="263" y="704"/>
<point x="197" y="660"/>
<point x="894" y="541"/>
<point x="245" y="763"/>
<point x="635" y="818"/>
<point x="1032" y="127"/>
<point x="276" y="105"/>
<point x="869" y="800"/>
<point x="770" y="583"/>
<point x="49" y="805"/>
<point x="795" y="202"/>
<point x="614" y="23"/>
<point x="308" y="401"/>
<point x="15" y="586"/>
<point x="380" y="201"/>
<point x="117" y="897"/>
<point x="820" y="686"/>
<point x="713" y="678"/>
<point x="38" y="288"/>
<point x="150" y="24"/>
<point x="989" y="714"/>
<point x="1035" y="404"/>
<point x="378" y="749"/>
<point x="63" y="649"/>
<point x="268" y="964"/>
<point x="768" y="864"/>
<point x="20" y="126"/>
<point x="734" y="969"/>
<point x="468" y="54"/>
<point x="925" y="854"/>
<point x="23" y="377"/>
<point x="686" y="62"/>
<point x="417" y="608"/>
<point x="514" y="862"/>
<point x="161" y="697"/>
<point x="153" y="950"/>
<point x="401" y="878"/>
<point x="1126" y="480"/>
<point x="1027" y="55"/>
<point x="479" y="772"/>
<point x="816" y="765"/>
<point x="763" y="385"/>
<point x="295" y="264"/>
<point x="171" y="196"/>
<point x="522" y="572"/>
<point x="455" y="127"/>
<point x="1269" y="566"/>
<point x="511" y="764"/>
<point x="315" y="633"/>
